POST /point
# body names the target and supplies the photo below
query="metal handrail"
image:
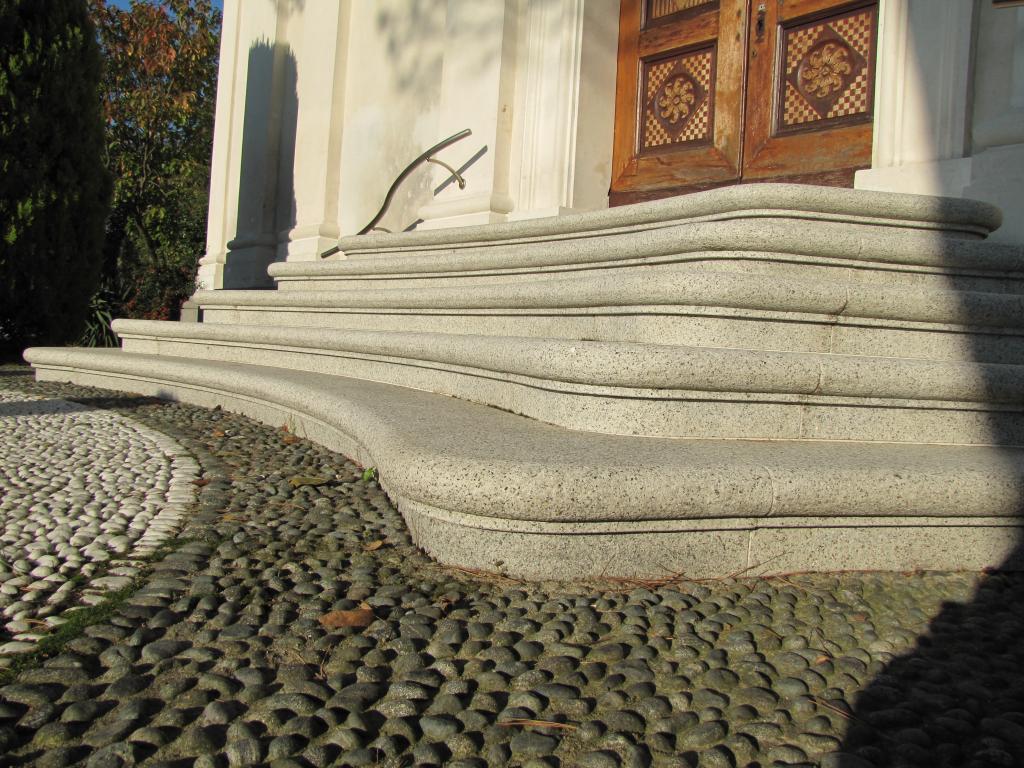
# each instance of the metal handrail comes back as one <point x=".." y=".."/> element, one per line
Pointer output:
<point x="426" y="157"/>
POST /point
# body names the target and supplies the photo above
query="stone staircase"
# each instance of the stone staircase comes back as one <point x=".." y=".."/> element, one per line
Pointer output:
<point x="762" y="378"/>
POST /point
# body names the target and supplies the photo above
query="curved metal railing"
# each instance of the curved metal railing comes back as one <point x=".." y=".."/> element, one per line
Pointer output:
<point x="426" y="157"/>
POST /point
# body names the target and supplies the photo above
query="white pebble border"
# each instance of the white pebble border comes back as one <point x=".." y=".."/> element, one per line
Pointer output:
<point x="84" y="493"/>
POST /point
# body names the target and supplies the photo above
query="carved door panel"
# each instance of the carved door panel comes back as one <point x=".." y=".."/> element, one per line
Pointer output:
<point x="679" y="94"/>
<point x="810" y="91"/>
<point x="712" y="92"/>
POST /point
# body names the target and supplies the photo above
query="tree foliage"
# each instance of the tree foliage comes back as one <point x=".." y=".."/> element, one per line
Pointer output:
<point x="159" y="93"/>
<point x="54" y="191"/>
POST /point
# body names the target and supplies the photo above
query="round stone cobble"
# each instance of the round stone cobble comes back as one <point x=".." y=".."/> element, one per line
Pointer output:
<point x="238" y="648"/>
<point x="86" y="495"/>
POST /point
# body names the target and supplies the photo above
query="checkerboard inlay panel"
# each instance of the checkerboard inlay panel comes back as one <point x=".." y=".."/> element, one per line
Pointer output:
<point x="828" y="70"/>
<point x="678" y="100"/>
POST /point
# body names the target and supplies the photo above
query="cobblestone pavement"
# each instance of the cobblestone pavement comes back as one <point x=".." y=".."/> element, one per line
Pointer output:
<point x="86" y="495"/>
<point x="292" y="623"/>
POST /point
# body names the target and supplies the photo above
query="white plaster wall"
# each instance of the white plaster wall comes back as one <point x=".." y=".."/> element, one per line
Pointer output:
<point x="998" y="118"/>
<point x="345" y="93"/>
<point x="949" y="113"/>
<point x="997" y="137"/>
<point x="392" y="92"/>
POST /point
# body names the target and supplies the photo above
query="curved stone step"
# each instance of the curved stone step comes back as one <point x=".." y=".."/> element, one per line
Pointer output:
<point x="792" y="202"/>
<point x="807" y="250"/>
<point x="487" y="489"/>
<point x="803" y="229"/>
<point x="706" y="309"/>
<point x="640" y="389"/>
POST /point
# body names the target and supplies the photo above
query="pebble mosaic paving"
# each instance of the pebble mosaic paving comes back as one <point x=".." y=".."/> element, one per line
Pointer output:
<point x="292" y="623"/>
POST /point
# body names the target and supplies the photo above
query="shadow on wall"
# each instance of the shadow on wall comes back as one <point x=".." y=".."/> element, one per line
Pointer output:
<point x="403" y="25"/>
<point x="266" y="193"/>
<point x="957" y="698"/>
<point x="415" y="69"/>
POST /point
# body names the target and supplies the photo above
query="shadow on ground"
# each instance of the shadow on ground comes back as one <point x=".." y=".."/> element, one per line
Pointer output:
<point x="958" y="698"/>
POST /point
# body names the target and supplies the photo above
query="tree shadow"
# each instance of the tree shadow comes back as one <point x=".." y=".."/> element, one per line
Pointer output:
<point x="957" y="697"/>
<point x="48" y="407"/>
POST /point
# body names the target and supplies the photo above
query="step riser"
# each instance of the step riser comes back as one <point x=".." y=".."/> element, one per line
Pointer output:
<point x="704" y="292"/>
<point x="792" y="267"/>
<point x="651" y="413"/>
<point x="793" y="332"/>
<point x="704" y="551"/>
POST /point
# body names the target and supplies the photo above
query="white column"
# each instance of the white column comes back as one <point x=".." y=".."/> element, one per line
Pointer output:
<point x="922" y="97"/>
<point x="535" y="81"/>
<point x="477" y="92"/>
<point x="565" y="107"/>
<point x="311" y="139"/>
<point x="255" y="86"/>
<point x="223" y="184"/>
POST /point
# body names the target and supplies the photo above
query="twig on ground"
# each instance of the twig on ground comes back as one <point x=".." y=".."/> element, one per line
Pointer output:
<point x="784" y="580"/>
<point x="479" y="573"/>
<point x="852" y="717"/>
<point x="522" y="722"/>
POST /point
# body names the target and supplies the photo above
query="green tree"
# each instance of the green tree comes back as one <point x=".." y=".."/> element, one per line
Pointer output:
<point x="54" y="191"/>
<point x="159" y="91"/>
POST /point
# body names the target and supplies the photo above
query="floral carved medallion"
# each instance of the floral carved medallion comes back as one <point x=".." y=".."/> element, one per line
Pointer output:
<point x="828" y="69"/>
<point x="676" y="99"/>
<point x="825" y="70"/>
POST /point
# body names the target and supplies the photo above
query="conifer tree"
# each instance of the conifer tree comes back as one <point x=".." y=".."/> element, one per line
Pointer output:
<point x="54" y="190"/>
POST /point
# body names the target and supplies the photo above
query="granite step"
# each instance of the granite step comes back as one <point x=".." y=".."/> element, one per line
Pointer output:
<point x="656" y="390"/>
<point x="482" y="488"/>
<point x="801" y="250"/>
<point x="720" y="310"/>
<point x="762" y="378"/>
<point x="777" y="229"/>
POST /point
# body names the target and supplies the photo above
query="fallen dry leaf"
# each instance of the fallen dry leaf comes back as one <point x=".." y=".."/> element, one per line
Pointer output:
<point x="357" y="617"/>
<point x="217" y="433"/>
<point x="300" y="480"/>
<point x="289" y="439"/>
<point x="373" y="546"/>
<point x="201" y="482"/>
<point x="822" y="659"/>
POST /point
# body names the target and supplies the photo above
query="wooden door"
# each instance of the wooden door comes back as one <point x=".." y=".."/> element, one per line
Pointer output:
<point x="714" y="92"/>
